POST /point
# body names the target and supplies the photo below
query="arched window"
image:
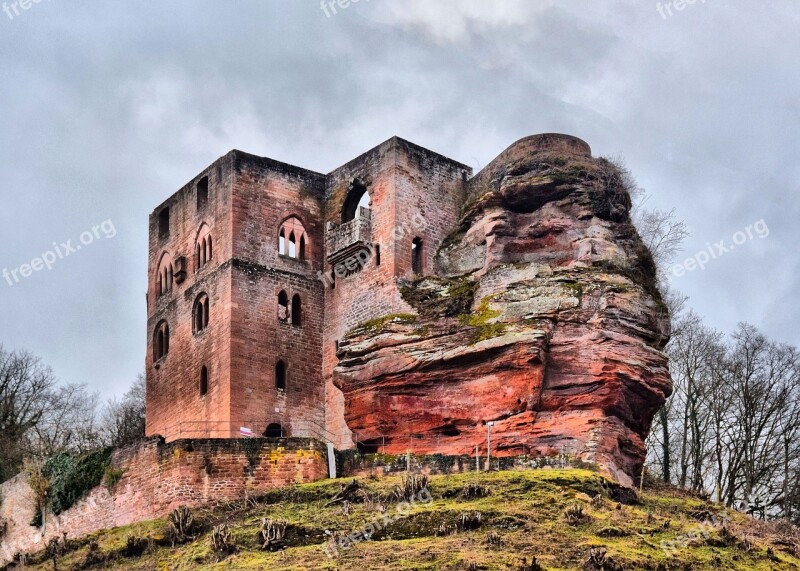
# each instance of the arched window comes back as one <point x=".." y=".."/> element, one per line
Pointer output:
<point x="296" y="310"/>
<point x="280" y="376"/>
<point x="203" y="381"/>
<point x="203" y="250"/>
<point x="357" y="197"/>
<point x="416" y="255"/>
<point x="160" y="341"/>
<point x="200" y="313"/>
<point x="165" y="275"/>
<point x="295" y="245"/>
<point x="283" y="306"/>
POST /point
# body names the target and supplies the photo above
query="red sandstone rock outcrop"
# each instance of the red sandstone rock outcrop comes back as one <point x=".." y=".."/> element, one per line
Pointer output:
<point x="544" y="318"/>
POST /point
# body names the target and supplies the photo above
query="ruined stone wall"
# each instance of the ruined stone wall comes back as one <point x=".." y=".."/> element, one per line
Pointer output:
<point x="413" y="192"/>
<point x="158" y="478"/>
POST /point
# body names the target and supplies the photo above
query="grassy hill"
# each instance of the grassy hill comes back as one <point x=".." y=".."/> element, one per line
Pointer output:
<point x="545" y="519"/>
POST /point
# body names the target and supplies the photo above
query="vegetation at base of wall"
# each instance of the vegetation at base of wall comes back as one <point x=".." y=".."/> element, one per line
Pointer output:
<point x="65" y="479"/>
<point x="112" y="476"/>
<point x="560" y="518"/>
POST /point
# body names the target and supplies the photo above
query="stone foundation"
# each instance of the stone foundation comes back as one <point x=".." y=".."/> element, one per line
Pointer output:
<point x="159" y="477"/>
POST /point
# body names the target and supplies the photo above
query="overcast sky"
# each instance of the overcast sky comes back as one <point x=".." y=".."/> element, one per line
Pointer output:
<point x="107" y="108"/>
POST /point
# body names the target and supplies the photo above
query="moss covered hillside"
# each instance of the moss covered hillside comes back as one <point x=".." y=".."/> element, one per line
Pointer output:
<point x="544" y="519"/>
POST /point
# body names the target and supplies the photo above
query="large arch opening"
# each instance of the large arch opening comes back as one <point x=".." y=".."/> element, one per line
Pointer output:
<point x="275" y="430"/>
<point x="358" y="197"/>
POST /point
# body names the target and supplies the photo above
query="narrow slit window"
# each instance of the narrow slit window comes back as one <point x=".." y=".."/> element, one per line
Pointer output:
<point x="416" y="256"/>
<point x="163" y="223"/>
<point x="202" y="192"/>
<point x="203" y="381"/>
<point x="296" y="310"/>
<point x="280" y="376"/>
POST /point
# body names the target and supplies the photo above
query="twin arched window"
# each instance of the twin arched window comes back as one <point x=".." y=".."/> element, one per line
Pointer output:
<point x="203" y="249"/>
<point x="161" y="341"/>
<point x="165" y="276"/>
<point x="285" y="313"/>
<point x="200" y="313"/>
<point x="292" y="240"/>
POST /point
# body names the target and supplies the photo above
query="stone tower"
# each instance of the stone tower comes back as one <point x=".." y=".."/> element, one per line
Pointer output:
<point x="258" y="268"/>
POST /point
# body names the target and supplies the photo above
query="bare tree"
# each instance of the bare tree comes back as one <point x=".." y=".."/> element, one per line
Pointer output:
<point x="123" y="420"/>
<point x="68" y="425"/>
<point x="662" y="233"/>
<point x="25" y="384"/>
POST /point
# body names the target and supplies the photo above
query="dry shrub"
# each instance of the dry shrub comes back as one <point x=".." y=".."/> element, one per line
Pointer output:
<point x="222" y="541"/>
<point x="272" y="534"/>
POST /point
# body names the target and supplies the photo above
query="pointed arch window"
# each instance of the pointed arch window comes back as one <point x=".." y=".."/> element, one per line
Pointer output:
<point x="203" y="248"/>
<point x="283" y="307"/>
<point x="165" y="275"/>
<point x="200" y="313"/>
<point x="160" y="341"/>
<point x="292" y="239"/>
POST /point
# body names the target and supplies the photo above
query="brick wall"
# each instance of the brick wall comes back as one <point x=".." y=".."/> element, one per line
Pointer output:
<point x="158" y="478"/>
<point x="173" y="387"/>
<point x="265" y="194"/>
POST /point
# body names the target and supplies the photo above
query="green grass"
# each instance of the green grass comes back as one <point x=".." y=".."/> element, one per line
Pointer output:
<point x="524" y="514"/>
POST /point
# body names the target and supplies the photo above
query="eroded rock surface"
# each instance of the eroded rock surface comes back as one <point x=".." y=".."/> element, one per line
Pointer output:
<point x="543" y="318"/>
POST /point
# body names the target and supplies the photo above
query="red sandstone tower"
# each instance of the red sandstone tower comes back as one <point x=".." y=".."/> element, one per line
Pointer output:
<point x="256" y="270"/>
